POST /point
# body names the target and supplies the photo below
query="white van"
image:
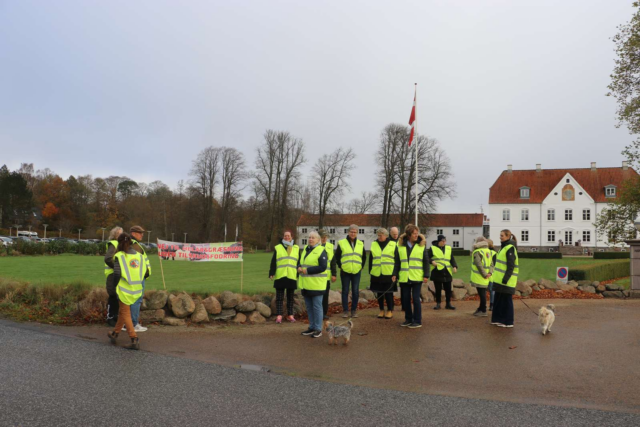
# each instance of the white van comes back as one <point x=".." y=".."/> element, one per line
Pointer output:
<point x="29" y="234"/>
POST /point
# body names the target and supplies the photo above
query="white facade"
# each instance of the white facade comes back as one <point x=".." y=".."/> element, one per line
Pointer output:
<point x="554" y="220"/>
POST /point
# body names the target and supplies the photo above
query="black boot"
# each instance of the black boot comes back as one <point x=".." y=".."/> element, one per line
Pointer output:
<point x="437" y="307"/>
<point x="449" y="307"/>
<point x="113" y="337"/>
<point x="135" y="344"/>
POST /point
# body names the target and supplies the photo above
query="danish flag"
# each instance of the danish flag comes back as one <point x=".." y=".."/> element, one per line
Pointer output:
<point x="412" y="119"/>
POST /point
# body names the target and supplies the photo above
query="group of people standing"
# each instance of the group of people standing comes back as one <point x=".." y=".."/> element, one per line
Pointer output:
<point x="126" y="269"/>
<point x="395" y="260"/>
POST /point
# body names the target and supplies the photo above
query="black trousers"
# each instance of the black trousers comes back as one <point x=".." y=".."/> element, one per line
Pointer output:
<point x="482" y="292"/>
<point x="325" y="299"/>
<point x="447" y="291"/>
<point x="280" y="301"/>
<point x="502" y="309"/>
<point x="113" y="303"/>
<point x="388" y="296"/>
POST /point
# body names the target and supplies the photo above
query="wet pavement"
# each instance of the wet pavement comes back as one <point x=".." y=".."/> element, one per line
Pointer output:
<point x="591" y="359"/>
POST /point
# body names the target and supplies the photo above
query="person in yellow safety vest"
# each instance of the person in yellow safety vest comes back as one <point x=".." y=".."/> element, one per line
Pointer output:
<point x="112" y="302"/>
<point x="443" y="266"/>
<point x="384" y="266"/>
<point x="394" y="234"/>
<point x="331" y="270"/>
<point x="505" y="278"/>
<point x="312" y="270"/>
<point x="350" y="257"/>
<point x="414" y="272"/>
<point x="129" y="271"/>
<point x="137" y="234"/>
<point x="284" y="273"/>
<point x="481" y="269"/>
<point x="492" y="293"/>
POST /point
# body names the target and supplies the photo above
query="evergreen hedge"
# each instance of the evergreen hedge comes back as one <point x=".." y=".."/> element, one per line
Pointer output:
<point x="601" y="272"/>
<point x="540" y="255"/>
<point x="611" y="255"/>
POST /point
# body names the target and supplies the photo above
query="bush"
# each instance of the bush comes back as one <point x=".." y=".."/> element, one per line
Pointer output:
<point x="601" y="272"/>
<point x="540" y="255"/>
<point x="611" y="255"/>
<point x="461" y="252"/>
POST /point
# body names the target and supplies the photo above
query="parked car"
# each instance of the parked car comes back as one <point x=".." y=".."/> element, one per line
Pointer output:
<point x="6" y="241"/>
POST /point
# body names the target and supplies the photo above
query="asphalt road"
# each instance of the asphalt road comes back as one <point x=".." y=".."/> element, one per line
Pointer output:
<point x="53" y="380"/>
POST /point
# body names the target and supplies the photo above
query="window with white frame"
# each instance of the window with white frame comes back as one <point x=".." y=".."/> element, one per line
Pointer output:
<point x="361" y="231"/>
<point x="439" y="231"/>
<point x="456" y="244"/>
<point x="524" y="236"/>
<point x="304" y="230"/>
<point x="586" y="214"/>
<point x="610" y="191"/>
<point x="456" y="231"/>
<point x="568" y="214"/>
<point x="551" y="236"/>
<point x="332" y="231"/>
<point x="506" y="215"/>
<point x="551" y="214"/>
<point x="524" y="215"/>
<point x="525" y="192"/>
<point x="375" y="231"/>
<point x="586" y="236"/>
<point x="346" y="231"/>
<point x="304" y="241"/>
<point x="332" y="241"/>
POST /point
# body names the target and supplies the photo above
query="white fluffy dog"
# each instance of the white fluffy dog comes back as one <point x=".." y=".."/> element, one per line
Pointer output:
<point x="547" y="316"/>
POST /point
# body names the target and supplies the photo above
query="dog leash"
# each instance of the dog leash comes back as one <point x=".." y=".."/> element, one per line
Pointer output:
<point x="526" y="305"/>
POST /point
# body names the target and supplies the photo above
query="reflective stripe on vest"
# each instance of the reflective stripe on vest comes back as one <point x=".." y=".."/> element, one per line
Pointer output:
<point x="403" y="275"/>
<point x="383" y="261"/>
<point x="351" y="259"/>
<point x="108" y="270"/>
<point x="477" y="278"/>
<point x="287" y="264"/>
<point x="501" y="268"/>
<point x="411" y="268"/>
<point x="132" y="267"/>
<point x="330" y="252"/>
<point x="144" y="253"/>
<point x="312" y="282"/>
<point x="443" y="260"/>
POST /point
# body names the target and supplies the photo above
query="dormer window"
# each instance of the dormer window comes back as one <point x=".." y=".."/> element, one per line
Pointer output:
<point x="610" y="191"/>
<point x="524" y="192"/>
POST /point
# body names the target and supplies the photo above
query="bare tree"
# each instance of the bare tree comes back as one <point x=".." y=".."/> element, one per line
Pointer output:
<point x="278" y="164"/>
<point x="206" y="175"/>
<point x="365" y="204"/>
<point x="330" y="175"/>
<point x="392" y="137"/>
<point x="233" y="174"/>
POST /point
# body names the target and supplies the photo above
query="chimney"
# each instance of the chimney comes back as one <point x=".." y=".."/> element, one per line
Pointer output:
<point x="509" y="168"/>
<point x="593" y="166"/>
<point x="625" y="165"/>
<point x="538" y="167"/>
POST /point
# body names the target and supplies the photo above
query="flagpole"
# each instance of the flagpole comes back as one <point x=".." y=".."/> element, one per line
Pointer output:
<point x="415" y="127"/>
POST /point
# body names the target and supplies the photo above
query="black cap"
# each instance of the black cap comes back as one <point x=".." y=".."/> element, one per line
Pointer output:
<point x="441" y="238"/>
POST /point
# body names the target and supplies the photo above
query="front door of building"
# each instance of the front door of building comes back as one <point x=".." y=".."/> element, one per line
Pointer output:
<point x="568" y="237"/>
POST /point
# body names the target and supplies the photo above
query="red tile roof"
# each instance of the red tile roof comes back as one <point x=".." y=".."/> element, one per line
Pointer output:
<point x="506" y="189"/>
<point x="375" y="220"/>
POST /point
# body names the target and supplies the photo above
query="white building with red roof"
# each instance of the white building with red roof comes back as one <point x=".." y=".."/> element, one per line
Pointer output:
<point x="459" y="229"/>
<point x="549" y="208"/>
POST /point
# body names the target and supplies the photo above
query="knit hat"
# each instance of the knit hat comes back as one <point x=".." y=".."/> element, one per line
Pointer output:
<point x="480" y="239"/>
<point x="441" y="238"/>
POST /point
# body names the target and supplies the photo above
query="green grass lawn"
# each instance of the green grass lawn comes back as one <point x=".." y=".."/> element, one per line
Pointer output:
<point x="213" y="277"/>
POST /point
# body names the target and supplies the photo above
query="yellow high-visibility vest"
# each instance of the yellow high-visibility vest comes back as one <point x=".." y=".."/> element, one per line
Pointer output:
<point x="383" y="261"/>
<point x="133" y="242"/>
<point x="108" y="270"/>
<point x="286" y="264"/>
<point x="351" y="260"/>
<point x="411" y="267"/>
<point x="312" y="282"/>
<point x="477" y="278"/>
<point x="133" y="268"/>
<point x="501" y="268"/>
<point x="330" y="253"/>
<point x="443" y="260"/>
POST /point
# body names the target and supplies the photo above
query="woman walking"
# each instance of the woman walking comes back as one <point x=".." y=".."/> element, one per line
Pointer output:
<point x="505" y="278"/>
<point x="481" y="269"/>
<point x="312" y="268"/>
<point x="283" y="272"/>
<point x="130" y="270"/>
<point x="383" y="267"/>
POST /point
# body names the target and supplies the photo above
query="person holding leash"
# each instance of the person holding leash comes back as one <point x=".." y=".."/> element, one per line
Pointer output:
<point x="383" y="269"/>
<point x="350" y="257"/>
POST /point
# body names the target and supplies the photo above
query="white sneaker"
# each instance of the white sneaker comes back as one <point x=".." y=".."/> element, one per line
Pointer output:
<point x="139" y="328"/>
<point x="124" y="328"/>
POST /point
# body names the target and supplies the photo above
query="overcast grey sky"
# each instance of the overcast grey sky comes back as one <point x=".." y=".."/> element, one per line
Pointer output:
<point x="139" y="88"/>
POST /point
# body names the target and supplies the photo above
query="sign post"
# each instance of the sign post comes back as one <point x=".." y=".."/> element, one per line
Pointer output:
<point x="562" y="274"/>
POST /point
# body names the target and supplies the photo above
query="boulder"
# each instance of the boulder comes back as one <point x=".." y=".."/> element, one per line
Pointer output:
<point x="459" y="294"/>
<point x="471" y="291"/>
<point x="363" y="301"/>
<point x="524" y="288"/>
<point x="228" y="299"/>
<point x="601" y="288"/>
<point x="595" y="284"/>
<point x="426" y="295"/>
<point x="212" y="305"/>
<point x="255" y="317"/>
<point x="143" y="305"/>
<point x="263" y="298"/>
<point x="227" y="314"/>
<point x="150" y="316"/>
<point x="535" y="288"/>
<point x="246" y="306"/>
<point x="299" y="308"/>
<point x="458" y="283"/>
<point x="263" y="309"/>
<point x="335" y="297"/>
<point x="173" y="321"/>
<point x="432" y="287"/>
<point x="548" y="284"/>
<point x="626" y="293"/>
<point x="565" y="287"/>
<point x="157" y="300"/>
<point x="518" y="294"/>
<point x="634" y="294"/>
<point x="587" y="289"/>
<point x="573" y="283"/>
<point x="585" y="282"/>
<point x="95" y="303"/>
<point x="613" y="287"/>
<point x="613" y="294"/>
<point x="367" y="294"/>
<point x="530" y="283"/>
<point x="200" y="314"/>
<point x="181" y="305"/>
<point x="239" y="318"/>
